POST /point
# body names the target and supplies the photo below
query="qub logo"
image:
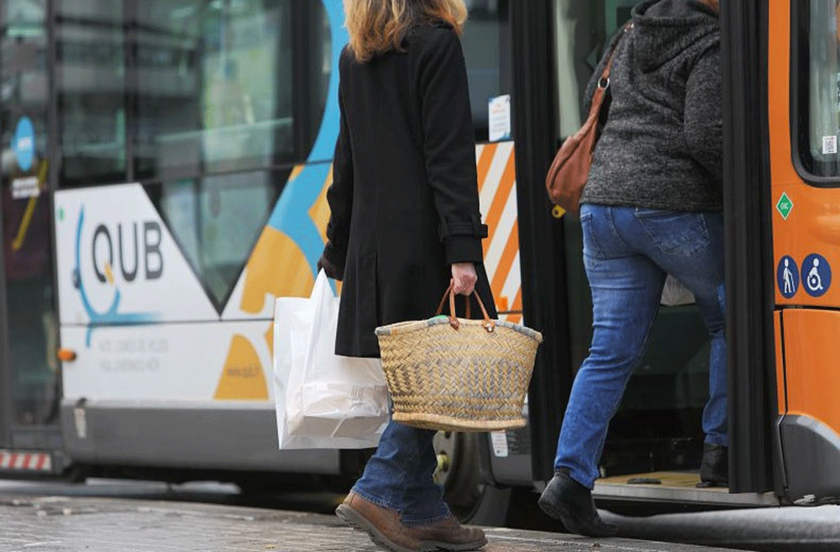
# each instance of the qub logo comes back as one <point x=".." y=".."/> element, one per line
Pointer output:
<point x="123" y="243"/>
<point x="129" y="255"/>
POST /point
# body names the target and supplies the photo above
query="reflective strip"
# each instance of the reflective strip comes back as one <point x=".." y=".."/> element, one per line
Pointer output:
<point x="35" y="461"/>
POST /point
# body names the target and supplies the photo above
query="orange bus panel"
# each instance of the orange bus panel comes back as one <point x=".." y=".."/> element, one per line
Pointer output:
<point x="812" y="369"/>
<point x="813" y="224"/>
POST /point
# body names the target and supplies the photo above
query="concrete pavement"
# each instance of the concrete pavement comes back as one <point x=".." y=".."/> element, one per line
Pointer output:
<point x="90" y="524"/>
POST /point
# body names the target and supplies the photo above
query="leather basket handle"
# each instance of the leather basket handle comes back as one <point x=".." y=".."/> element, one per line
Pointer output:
<point x="443" y="302"/>
<point x="488" y="324"/>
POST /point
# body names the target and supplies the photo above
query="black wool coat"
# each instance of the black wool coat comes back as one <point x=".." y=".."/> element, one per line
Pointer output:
<point x="404" y="199"/>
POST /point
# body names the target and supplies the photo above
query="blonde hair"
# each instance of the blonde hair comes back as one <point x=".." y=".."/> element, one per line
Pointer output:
<point x="379" y="26"/>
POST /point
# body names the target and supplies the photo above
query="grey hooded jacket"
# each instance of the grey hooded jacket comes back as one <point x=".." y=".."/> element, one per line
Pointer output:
<point x="661" y="147"/>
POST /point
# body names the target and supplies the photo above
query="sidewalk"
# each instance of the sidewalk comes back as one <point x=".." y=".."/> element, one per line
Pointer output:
<point x="71" y="524"/>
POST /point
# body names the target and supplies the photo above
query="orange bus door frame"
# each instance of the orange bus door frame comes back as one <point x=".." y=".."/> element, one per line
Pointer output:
<point x="807" y="324"/>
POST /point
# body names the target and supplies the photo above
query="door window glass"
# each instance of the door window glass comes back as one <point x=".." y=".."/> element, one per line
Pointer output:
<point x="658" y="425"/>
<point x="26" y="215"/>
<point x="582" y="30"/>
<point x="819" y="91"/>
<point x="486" y="44"/>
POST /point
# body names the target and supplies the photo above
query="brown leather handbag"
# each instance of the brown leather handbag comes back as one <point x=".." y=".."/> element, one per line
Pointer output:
<point x="569" y="171"/>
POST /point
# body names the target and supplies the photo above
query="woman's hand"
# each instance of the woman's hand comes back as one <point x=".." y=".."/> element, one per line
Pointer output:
<point x="330" y="269"/>
<point x="463" y="278"/>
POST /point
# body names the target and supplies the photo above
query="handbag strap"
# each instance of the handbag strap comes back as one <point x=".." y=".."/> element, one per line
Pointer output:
<point x="604" y="81"/>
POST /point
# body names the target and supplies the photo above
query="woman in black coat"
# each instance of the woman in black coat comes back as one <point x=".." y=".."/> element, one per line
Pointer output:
<point x="404" y="199"/>
<point x="404" y="224"/>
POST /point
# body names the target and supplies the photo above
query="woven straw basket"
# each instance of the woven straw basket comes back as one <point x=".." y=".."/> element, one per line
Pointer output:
<point x="456" y="374"/>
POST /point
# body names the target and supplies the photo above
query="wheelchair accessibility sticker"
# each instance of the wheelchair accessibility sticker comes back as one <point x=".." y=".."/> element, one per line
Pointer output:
<point x="816" y="275"/>
<point x="788" y="277"/>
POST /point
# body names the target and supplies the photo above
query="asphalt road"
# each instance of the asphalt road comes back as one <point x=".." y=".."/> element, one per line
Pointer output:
<point x="798" y="529"/>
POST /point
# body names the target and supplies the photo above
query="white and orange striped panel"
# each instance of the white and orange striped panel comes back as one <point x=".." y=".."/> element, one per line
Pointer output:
<point x="497" y="189"/>
<point x="30" y="461"/>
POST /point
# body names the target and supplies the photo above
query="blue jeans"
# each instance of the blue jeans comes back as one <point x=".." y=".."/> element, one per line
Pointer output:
<point x="399" y="476"/>
<point x="628" y="252"/>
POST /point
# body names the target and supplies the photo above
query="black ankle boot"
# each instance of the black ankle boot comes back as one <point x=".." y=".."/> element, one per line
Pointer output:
<point x="714" y="469"/>
<point x="567" y="500"/>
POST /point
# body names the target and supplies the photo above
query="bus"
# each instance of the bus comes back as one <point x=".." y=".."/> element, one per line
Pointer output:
<point x="164" y="171"/>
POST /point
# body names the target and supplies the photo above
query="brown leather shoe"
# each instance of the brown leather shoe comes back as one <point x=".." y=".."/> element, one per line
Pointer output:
<point x="447" y="534"/>
<point x="384" y="527"/>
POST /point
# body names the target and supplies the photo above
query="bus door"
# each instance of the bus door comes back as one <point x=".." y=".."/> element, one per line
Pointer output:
<point x="806" y="242"/>
<point x="29" y="368"/>
<point x="655" y="441"/>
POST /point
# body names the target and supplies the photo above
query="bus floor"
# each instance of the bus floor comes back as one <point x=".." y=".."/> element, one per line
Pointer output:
<point x="677" y="488"/>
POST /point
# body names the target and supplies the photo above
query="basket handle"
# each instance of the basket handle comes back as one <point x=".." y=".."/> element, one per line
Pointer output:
<point x="488" y="324"/>
<point x="443" y="302"/>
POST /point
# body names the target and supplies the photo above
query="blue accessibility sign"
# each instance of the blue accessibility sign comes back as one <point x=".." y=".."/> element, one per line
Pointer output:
<point x="787" y="276"/>
<point x="816" y="275"/>
<point x="24" y="143"/>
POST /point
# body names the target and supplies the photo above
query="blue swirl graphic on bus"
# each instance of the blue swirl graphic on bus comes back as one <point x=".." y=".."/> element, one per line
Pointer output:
<point x="290" y="215"/>
<point x="110" y="316"/>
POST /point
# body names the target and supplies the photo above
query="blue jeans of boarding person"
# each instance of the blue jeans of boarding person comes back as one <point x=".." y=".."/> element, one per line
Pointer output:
<point x="399" y="476"/>
<point x="628" y="252"/>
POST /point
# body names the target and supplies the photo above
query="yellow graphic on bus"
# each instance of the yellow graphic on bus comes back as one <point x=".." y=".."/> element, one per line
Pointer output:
<point x="278" y="268"/>
<point x="25" y="222"/>
<point x="243" y="377"/>
<point x="320" y="210"/>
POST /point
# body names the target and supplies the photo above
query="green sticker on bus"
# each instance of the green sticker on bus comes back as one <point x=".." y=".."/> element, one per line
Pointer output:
<point x="784" y="206"/>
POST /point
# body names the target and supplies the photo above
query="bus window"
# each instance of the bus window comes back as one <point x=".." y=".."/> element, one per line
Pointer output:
<point x="216" y="221"/>
<point x="486" y="43"/>
<point x="215" y="87"/>
<point x="90" y="78"/>
<point x="819" y="92"/>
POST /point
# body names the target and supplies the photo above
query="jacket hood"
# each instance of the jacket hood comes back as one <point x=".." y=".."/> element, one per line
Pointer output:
<point x="664" y="29"/>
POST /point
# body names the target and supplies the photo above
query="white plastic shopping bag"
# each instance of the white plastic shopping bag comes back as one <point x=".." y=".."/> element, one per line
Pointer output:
<point x="675" y="293"/>
<point x="323" y="400"/>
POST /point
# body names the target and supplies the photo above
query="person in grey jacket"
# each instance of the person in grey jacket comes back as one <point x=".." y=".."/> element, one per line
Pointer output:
<point x="651" y="207"/>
